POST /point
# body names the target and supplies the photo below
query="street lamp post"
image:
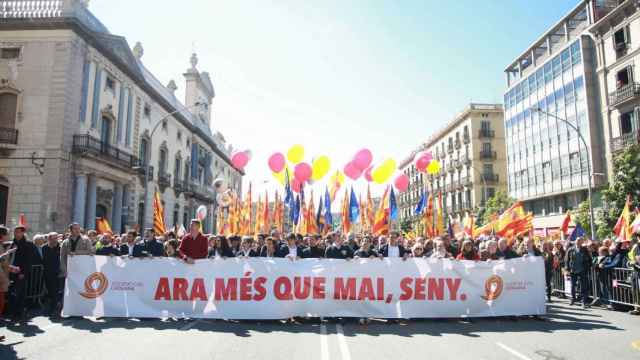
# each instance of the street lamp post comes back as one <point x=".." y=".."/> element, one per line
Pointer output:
<point x="147" y="167"/>
<point x="592" y="223"/>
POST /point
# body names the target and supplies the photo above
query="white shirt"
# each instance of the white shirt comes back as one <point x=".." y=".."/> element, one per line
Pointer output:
<point x="130" y="246"/>
<point x="393" y="251"/>
<point x="293" y="251"/>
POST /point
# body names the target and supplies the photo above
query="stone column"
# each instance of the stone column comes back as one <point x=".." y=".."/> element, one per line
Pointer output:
<point x="90" y="221"/>
<point x="116" y="214"/>
<point x="80" y="197"/>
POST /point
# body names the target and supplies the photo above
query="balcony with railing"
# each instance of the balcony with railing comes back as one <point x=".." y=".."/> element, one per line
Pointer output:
<point x="465" y="181"/>
<point x="466" y="138"/>
<point x="8" y="137"/>
<point x="465" y="159"/>
<point x="622" y="142"/>
<point x="458" y="143"/>
<point x="490" y="177"/>
<point x="140" y="168"/>
<point x="178" y="185"/>
<point x="200" y="191"/>
<point x="450" y="148"/>
<point x="87" y="145"/>
<point x="488" y="155"/>
<point x="164" y="179"/>
<point x="624" y="93"/>
<point x="486" y="134"/>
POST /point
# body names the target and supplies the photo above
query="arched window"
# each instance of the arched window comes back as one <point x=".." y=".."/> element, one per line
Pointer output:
<point x="8" y="110"/>
<point x="162" y="161"/>
<point x="144" y="145"/>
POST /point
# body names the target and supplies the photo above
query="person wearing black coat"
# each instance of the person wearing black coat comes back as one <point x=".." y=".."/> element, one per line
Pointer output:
<point x="25" y="257"/>
<point x="52" y="279"/>
<point x="365" y="250"/>
<point x="291" y="249"/>
<point x="126" y="249"/>
<point x="149" y="247"/>
<point x="107" y="248"/>
<point x="338" y="250"/>
<point x="314" y="250"/>
<point x="578" y="264"/>
<point x="393" y="249"/>
<point x="246" y="248"/>
<point x="221" y="248"/>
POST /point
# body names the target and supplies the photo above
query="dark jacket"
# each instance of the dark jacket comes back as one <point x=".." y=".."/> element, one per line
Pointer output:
<point x="249" y="253"/>
<point x="51" y="260"/>
<point x="25" y="256"/>
<point x="124" y="249"/>
<point x="507" y="254"/>
<point x="148" y="248"/>
<point x="313" y="252"/>
<point x="342" y="252"/>
<point x="263" y="252"/>
<point x="108" y="250"/>
<point x="365" y="254"/>
<point x="578" y="261"/>
<point x="283" y="251"/>
<point x="223" y="252"/>
<point x="384" y="250"/>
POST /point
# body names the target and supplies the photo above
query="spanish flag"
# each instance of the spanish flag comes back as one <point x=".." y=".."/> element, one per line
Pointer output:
<point x="428" y="218"/>
<point x="246" y="214"/>
<point x="102" y="226"/>
<point x="381" y="222"/>
<point x="335" y="185"/>
<point x="488" y="228"/>
<point x="158" y="215"/>
<point x="565" y="223"/>
<point x="510" y="219"/>
<point x="623" y="225"/>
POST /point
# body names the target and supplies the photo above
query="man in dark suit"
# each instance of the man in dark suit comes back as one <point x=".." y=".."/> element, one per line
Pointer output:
<point x="52" y="274"/>
<point x="126" y="249"/>
<point x="24" y="258"/>
<point x="247" y="248"/>
<point x="338" y="249"/>
<point x="393" y="249"/>
<point x="149" y="246"/>
<point x="315" y="250"/>
<point x="291" y="249"/>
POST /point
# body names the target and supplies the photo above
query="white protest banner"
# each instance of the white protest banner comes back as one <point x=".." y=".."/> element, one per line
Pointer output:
<point x="260" y="288"/>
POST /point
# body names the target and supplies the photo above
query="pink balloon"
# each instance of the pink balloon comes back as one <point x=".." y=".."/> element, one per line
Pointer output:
<point x="422" y="160"/>
<point x="276" y="162"/>
<point x="239" y="160"/>
<point x="402" y="183"/>
<point x="352" y="171"/>
<point x="302" y="172"/>
<point x="296" y="185"/>
<point x="367" y="174"/>
<point x="362" y="159"/>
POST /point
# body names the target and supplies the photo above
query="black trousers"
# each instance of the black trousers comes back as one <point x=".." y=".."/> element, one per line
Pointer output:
<point x="17" y="295"/>
<point x="54" y="288"/>
<point x="580" y="278"/>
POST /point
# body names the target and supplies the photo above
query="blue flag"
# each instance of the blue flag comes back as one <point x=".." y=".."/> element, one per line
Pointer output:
<point x="319" y="217"/>
<point x="393" y="207"/>
<point x="421" y="204"/>
<point x="578" y="231"/>
<point x="296" y="211"/>
<point x="354" y="208"/>
<point x="288" y="195"/>
<point x="328" y="219"/>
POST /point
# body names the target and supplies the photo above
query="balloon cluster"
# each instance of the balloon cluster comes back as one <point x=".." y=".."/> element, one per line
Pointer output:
<point x="303" y="172"/>
<point x="425" y="162"/>
<point x="240" y="159"/>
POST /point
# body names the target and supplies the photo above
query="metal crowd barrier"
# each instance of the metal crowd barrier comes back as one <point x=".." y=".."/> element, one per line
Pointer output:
<point x="623" y="285"/>
<point x="35" y="290"/>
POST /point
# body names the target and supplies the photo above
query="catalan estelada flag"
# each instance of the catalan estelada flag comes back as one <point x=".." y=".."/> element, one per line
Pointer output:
<point x="158" y="215"/>
<point x="381" y="222"/>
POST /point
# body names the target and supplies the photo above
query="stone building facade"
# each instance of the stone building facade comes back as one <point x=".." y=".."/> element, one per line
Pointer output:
<point x="82" y="119"/>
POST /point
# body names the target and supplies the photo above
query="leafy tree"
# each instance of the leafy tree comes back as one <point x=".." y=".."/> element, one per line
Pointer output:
<point x="494" y="206"/>
<point x="406" y="226"/>
<point x="626" y="181"/>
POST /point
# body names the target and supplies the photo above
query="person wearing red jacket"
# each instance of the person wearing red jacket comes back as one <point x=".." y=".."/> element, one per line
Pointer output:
<point x="468" y="252"/>
<point x="194" y="245"/>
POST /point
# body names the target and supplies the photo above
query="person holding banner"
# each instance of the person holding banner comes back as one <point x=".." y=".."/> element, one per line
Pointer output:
<point x="149" y="246"/>
<point x="468" y="252"/>
<point x="246" y="248"/>
<point x="393" y="249"/>
<point x="365" y="250"/>
<point x="127" y="248"/>
<point x="270" y="248"/>
<point x="194" y="245"/>
<point x="107" y="248"/>
<point x="338" y="250"/>
<point x="291" y="250"/>
<point x="440" y="250"/>
<point x="504" y="251"/>
<point x="315" y="250"/>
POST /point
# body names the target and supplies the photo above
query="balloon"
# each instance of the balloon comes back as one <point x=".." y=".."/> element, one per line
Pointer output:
<point x="362" y="159"/>
<point x="201" y="212"/>
<point x="352" y="171"/>
<point x="239" y="160"/>
<point x="383" y="172"/>
<point x="338" y="177"/>
<point x="433" y="168"/>
<point x="296" y="185"/>
<point x="295" y="154"/>
<point x="276" y="162"/>
<point x="320" y="167"/>
<point x="422" y="160"/>
<point x="402" y="183"/>
<point x="281" y="175"/>
<point x="367" y="174"/>
<point x="302" y="172"/>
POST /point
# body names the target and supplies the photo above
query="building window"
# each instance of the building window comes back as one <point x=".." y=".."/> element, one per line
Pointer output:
<point x="164" y="124"/>
<point x="144" y="143"/>
<point x="620" y="39"/>
<point x="110" y="84"/>
<point x="10" y="53"/>
<point x="147" y="111"/>
<point x="177" y="169"/>
<point x="162" y="161"/>
<point x="487" y="169"/>
<point x="8" y="110"/>
<point x="485" y="125"/>
<point x="623" y="77"/>
<point x="626" y="123"/>
<point x="179" y="135"/>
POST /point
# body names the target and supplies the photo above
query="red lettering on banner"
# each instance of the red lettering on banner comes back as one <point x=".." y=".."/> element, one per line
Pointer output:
<point x="258" y="286"/>
<point x="226" y="291"/>
<point x="198" y="291"/>
<point x="436" y="289"/>
<point x="454" y="286"/>
<point x="366" y="290"/>
<point x="380" y="283"/>
<point x="180" y="286"/>
<point x="420" y="288"/>
<point x="344" y="291"/>
<point x="282" y="294"/>
<point x="318" y="288"/>
<point x="301" y="287"/>
<point x="162" y="291"/>
<point x="405" y="286"/>
<point x="245" y="289"/>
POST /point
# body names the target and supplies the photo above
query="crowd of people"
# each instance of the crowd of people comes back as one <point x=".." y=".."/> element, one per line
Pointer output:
<point x="576" y="259"/>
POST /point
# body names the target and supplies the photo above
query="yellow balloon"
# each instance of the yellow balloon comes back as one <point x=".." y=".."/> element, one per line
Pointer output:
<point x="281" y="175"/>
<point x="339" y="176"/>
<point x="320" y="167"/>
<point x="295" y="154"/>
<point x="382" y="173"/>
<point x="433" y="167"/>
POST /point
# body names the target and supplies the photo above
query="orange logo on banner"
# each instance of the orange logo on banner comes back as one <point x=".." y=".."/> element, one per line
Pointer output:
<point x="91" y="292"/>
<point x="492" y="288"/>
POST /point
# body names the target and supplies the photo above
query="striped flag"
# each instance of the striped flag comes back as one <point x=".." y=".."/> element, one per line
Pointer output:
<point x="158" y="215"/>
<point x="371" y="215"/>
<point x="381" y="224"/>
<point x="312" y="225"/>
<point x="102" y="226"/>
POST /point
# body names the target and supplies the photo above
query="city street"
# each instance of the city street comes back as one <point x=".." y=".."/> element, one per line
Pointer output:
<point x="566" y="333"/>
